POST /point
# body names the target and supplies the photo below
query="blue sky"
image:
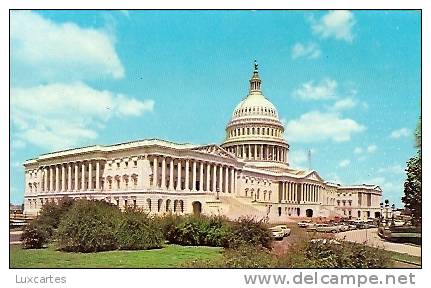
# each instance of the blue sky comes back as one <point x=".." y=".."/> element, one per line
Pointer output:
<point x="345" y="83"/>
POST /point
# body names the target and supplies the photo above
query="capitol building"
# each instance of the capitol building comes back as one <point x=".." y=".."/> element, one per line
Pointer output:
<point x="248" y="174"/>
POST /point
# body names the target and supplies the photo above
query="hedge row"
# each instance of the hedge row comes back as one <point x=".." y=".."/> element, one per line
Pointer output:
<point x="91" y="226"/>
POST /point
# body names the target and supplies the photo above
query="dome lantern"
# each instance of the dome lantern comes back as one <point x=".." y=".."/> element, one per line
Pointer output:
<point x="255" y="80"/>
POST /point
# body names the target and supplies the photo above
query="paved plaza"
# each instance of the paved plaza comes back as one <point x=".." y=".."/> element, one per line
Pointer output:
<point x="370" y="237"/>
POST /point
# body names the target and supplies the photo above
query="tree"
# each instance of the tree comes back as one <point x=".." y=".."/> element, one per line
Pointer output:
<point x="413" y="185"/>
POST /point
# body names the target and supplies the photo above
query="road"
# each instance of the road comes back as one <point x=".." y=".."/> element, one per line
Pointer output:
<point x="370" y="237"/>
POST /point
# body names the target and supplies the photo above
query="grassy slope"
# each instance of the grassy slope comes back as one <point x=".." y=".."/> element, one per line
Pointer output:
<point x="169" y="257"/>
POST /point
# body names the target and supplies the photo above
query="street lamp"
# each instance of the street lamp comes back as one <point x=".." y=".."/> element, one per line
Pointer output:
<point x="381" y="214"/>
<point x="393" y="215"/>
<point x="217" y="192"/>
<point x="386" y="211"/>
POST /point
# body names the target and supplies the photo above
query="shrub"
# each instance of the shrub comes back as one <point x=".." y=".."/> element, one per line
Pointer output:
<point x="332" y="255"/>
<point x="169" y="223"/>
<point x="42" y="229"/>
<point x="248" y="230"/>
<point x="89" y="226"/>
<point x="196" y="230"/>
<point x="137" y="231"/>
<point x="35" y="235"/>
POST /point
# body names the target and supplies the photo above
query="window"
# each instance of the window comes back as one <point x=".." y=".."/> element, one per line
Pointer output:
<point x="135" y="163"/>
<point x="134" y="203"/>
<point x="127" y="164"/>
<point x="118" y="164"/>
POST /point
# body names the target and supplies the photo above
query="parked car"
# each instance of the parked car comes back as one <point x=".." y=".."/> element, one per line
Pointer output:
<point x="350" y="225"/>
<point x="312" y="227"/>
<point x="305" y="223"/>
<point x="343" y="227"/>
<point x="328" y="228"/>
<point x="284" y="228"/>
<point x="277" y="233"/>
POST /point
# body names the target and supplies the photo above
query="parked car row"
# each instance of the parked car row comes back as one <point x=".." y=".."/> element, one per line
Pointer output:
<point x="335" y="227"/>
<point x="279" y="232"/>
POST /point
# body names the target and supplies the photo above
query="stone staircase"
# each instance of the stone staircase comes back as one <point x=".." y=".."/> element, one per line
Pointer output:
<point x="242" y="207"/>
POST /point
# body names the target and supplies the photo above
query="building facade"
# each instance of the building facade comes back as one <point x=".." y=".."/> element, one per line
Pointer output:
<point x="248" y="174"/>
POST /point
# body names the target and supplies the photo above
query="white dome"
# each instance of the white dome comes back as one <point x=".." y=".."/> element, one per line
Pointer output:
<point x="255" y="105"/>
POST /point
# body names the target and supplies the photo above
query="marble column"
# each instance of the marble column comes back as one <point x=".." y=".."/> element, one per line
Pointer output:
<point x="97" y="175"/>
<point x="90" y="175"/>
<point x="155" y="172"/>
<point x="226" y="180"/>
<point x="194" y="176"/>
<point x="69" y="176"/>
<point x="63" y="177"/>
<point x="179" y="175"/>
<point x="255" y="152"/>
<point x="214" y="178"/>
<point x="201" y="176"/>
<point x="171" y="174"/>
<point x="220" y="184"/>
<point x="45" y="179"/>
<point x="76" y="176"/>
<point x="207" y="187"/>
<point x="57" y="179"/>
<point x="163" y="186"/>
<point x="82" y="176"/>
<point x="232" y="180"/>
<point x="187" y="179"/>
<point x="303" y="193"/>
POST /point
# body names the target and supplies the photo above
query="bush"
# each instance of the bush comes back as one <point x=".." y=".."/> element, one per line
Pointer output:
<point x="247" y="230"/>
<point x="137" y="231"/>
<point x="89" y="226"/>
<point x="42" y="229"/>
<point x="331" y="255"/>
<point x="196" y="230"/>
<point x="35" y="235"/>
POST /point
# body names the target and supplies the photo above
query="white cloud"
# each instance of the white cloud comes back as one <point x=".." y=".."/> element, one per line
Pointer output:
<point x="402" y="132"/>
<point x="386" y="185"/>
<point x="298" y="158"/>
<point x="316" y="126"/>
<point x="358" y="150"/>
<point x="17" y="144"/>
<point x="392" y="169"/>
<point x="310" y="50"/>
<point x="64" y="115"/>
<point x="324" y="90"/>
<point x="372" y="148"/>
<point x="335" y="24"/>
<point x="344" y="104"/>
<point x="344" y="163"/>
<point x="52" y="51"/>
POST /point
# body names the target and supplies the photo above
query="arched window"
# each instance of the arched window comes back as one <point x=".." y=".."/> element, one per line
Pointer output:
<point x="168" y="205"/>
<point x="159" y="205"/>
<point x="149" y="204"/>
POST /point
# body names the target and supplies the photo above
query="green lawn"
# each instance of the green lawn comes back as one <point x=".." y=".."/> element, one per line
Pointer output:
<point x="169" y="256"/>
<point x="406" y="258"/>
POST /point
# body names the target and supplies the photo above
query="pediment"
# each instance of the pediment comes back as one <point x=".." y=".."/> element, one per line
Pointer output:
<point x="313" y="175"/>
<point x="214" y="150"/>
